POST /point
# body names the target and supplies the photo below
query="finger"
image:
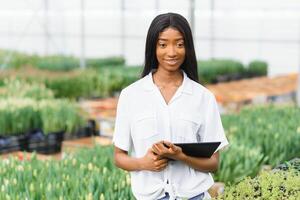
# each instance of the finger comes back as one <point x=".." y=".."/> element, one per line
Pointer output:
<point x="164" y="159"/>
<point x="161" y="162"/>
<point x="155" y="149"/>
<point x="161" y="147"/>
<point x="160" y="142"/>
<point x="173" y="147"/>
<point x="162" y="167"/>
<point x="167" y="143"/>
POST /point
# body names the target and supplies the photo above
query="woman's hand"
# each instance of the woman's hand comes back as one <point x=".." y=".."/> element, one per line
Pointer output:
<point x="168" y="150"/>
<point x="153" y="162"/>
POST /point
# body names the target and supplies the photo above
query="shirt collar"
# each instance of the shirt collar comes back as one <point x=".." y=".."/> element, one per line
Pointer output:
<point x="186" y="87"/>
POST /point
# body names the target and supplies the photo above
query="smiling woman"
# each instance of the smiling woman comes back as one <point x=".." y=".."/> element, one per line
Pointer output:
<point x="170" y="51"/>
<point x="166" y="106"/>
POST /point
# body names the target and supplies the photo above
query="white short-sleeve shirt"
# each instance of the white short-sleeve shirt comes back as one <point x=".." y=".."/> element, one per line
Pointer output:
<point x="144" y="118"/>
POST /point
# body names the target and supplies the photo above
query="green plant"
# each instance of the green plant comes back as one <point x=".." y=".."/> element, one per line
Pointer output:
<point x="255" y="138"/>
<point x="13" y="59"/>
<point x="105" y="62"/>
<point x="257" y="68"/>
<point x="58" y="115"/>
<point x="57" y="62"/>
<point x="22" y="89"/>
<point x="89" y="174"/>
<point x="268" y="185"/>
<point x="238" y="162"/>
<point x="210" y="70"/>
<point x="18" y="116"/>
<point x="83" y="84"/>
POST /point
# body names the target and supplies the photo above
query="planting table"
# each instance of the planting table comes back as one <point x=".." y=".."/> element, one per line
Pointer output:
<point x="230" y="94"/>
<point x="255" y="90"/>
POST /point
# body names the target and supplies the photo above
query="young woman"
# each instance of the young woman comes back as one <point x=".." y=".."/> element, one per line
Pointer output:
<point x="166" y="106"/>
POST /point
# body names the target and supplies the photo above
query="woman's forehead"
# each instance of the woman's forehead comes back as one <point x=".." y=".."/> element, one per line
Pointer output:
<point x="170" y="33"/>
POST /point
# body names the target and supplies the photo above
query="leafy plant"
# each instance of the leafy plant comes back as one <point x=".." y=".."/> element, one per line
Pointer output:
<point x="268" y="185"/>
<point x="255" y="140"/>
<point x="20" y="88"/>
<point x="58" y="115"/>
<point x="57" y="62"/>
<point x="257" y="68"/>
<point x="238" y="162"/>
<point x="18" y="116"/>
<point x="89" y="174"/>
<point x="210" y="70"/>
<point x="105" y="62"/>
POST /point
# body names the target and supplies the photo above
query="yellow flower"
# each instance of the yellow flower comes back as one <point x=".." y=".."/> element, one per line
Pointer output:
<point x="74" y="161"/>
<point x="20" y="168"/>
<point x="127" y="179"/>
<point x="31" y="187"/>
<point x="104" y="170"/>
<point x="89" y="196"/>
<point x="90" y="166"/>
<point x="82" y="166"/>
<point x="6" y="182"/>
<point x="298" y="129"/>
<point x="7" y="197"/>
<point x="2" y="188"/>
<point x="102" y="196"/>
<point x="34" y="172"/>
<point x="15" y="181"/>
<point x="49" y="187"/>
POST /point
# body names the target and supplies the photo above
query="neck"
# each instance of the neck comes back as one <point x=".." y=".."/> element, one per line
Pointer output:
<point x="162" y="77"/>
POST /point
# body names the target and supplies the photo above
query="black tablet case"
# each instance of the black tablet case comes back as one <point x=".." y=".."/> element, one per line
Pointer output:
<point x="203" y="149"/>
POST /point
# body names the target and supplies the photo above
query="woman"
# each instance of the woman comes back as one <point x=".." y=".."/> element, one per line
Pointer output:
<point x="166" y="106"/>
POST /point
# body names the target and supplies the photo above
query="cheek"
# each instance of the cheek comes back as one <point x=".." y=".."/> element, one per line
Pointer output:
<point x="159" y="54"/>
<point x="182" y="55"/>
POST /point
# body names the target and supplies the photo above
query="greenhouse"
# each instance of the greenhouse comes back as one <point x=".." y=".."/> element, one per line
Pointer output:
<point x="149" y="100"/>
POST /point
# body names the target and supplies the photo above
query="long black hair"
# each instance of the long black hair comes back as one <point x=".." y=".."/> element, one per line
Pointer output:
<point x="158" y="25"/>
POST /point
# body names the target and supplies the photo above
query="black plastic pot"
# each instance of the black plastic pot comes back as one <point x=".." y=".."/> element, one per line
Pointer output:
<point x="88" y="130"/>
<point x="45" y="144"/>
<point x="13" y="143"/>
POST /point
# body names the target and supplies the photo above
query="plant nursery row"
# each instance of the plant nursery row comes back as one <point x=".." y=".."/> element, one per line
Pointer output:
<point x="255" y="141"/>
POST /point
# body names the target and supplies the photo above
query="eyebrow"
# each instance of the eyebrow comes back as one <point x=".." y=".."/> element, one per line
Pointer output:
<point x="164" y="39"/>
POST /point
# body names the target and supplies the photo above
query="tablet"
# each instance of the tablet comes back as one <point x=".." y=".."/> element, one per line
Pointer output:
<point x="203" y="149"/>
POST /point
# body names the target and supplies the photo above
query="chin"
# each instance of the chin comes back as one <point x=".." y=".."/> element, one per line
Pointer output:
<point x="173" y="68"/>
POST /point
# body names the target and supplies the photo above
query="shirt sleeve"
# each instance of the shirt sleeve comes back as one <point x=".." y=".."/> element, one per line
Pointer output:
<point x="122" y="137"/>
<point x="213" y="128"/>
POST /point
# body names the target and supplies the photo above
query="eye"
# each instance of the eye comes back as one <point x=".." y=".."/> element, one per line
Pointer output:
<point x="180" y="45"/>
<point x="162" y="45"/>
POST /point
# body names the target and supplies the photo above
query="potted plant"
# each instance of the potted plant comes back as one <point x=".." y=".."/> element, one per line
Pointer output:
<point x="57" y="117"/>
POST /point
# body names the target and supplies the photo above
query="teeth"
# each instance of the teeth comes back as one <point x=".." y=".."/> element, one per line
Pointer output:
<point x="171" y="61"/>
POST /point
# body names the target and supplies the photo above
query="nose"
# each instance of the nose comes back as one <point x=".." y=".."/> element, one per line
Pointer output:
<point x="171" y="51"/>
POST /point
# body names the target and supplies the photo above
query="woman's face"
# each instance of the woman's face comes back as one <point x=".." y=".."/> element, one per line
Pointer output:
<point x="170" y="50"/>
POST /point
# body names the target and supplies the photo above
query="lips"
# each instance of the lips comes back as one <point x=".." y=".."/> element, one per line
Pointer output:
<point x="171" y="61"/>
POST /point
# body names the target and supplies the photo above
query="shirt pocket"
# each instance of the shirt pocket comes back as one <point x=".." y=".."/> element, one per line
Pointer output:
<point x="144" y="131"/>
<point x="188" y="126"/>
